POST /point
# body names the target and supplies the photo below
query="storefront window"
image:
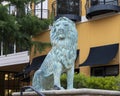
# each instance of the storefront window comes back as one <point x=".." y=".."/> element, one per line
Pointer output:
<point x="8" y="84"/>
<point x="105" y="71"/>
<point x="6" y="76"/>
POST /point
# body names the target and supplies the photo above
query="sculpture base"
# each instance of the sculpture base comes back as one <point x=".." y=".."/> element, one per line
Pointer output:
<point x="73" y="92"/>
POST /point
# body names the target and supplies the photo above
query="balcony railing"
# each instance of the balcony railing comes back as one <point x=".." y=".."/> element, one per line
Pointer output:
<point x="13" y="48"/>
<point x="99" y="7"/>
<point x="91" y="3"/>
<point x="39" y="11"/>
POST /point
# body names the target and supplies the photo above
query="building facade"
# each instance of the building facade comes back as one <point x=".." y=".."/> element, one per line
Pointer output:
<point x="97" y="23"/>
<point x="98" y="26"/>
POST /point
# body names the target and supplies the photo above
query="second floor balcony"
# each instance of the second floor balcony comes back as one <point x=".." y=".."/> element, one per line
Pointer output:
<point x="40" y="9"/>
<point x="100" y="7"/>
<point x="14" y="59"/>
<point x="15" y="56"/>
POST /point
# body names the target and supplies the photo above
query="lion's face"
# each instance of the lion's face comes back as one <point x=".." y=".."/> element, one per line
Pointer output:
<point x="62" y="30"/>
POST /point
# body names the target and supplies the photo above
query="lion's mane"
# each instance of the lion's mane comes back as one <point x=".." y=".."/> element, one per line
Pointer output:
<point x="64" y="49"/>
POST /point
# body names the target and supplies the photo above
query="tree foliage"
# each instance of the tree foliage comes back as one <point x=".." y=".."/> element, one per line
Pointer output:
<point x="19" y="29"/>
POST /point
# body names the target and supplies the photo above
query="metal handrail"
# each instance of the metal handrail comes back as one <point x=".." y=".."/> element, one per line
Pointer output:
<point x="30" y="87"/>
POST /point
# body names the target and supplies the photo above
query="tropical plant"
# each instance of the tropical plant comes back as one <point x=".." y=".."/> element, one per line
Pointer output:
<point x="20" y="28"/>
<point x="8" y="28"/>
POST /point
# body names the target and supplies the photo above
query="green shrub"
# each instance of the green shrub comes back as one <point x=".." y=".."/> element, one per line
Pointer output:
<point x="81" y="81"/>
<point x="118" y="82"/>
<point x="64" y="81"/>
<point x="108" y="83"/>
<point x="93" y="82"/>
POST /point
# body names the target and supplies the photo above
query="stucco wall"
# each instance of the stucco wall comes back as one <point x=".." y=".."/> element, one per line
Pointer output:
<point x="92" y="33"/>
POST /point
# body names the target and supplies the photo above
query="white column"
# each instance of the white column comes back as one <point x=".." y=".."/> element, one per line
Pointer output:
<point x="1" y="48"/>
<point x="15" y="47"/>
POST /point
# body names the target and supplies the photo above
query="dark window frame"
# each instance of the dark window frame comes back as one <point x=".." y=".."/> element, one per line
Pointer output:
<point x="68" y="7"/>
<point x="103" y="71"/>
<point x="98" y="2"/>
<point x="9" y="83"/>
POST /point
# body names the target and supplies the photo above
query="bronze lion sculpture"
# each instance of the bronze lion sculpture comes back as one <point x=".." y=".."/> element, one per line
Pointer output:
<point x="61" y="57"/>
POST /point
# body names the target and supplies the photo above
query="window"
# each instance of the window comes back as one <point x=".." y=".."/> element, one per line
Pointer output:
<point x="12" y="10"/>
<point x="98" y="71"/>
<point x="94" y="2"/>
<point x="8" y="45"/>
<point x="111" y="2"/>
<point x="20" y="47"/>
<point x="6" y="77"/>
<point x="13" y="48"/>
<point x="105" y="70"/>
<point x="111" y="70"/>
<point x="8" y="83"/>
<point x="42" y="7"/>
<point x="68" y="7"/>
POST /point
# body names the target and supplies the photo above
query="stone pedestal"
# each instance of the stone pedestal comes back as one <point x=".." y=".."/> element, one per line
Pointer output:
<point x="73" y="92"/>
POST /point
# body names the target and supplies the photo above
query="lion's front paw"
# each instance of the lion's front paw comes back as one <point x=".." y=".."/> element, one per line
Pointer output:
<point x="61" y="88"/>
<point x="58" y="88"/>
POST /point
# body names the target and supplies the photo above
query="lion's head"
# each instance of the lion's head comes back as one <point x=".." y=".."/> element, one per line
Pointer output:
<point x="63" y="29"/>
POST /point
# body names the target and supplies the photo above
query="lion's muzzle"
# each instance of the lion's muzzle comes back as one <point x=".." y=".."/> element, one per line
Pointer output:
<point x="61" y="34"/>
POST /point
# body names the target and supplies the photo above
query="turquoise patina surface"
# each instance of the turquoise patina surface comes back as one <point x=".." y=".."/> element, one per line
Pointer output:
<point x="61" y="57"/>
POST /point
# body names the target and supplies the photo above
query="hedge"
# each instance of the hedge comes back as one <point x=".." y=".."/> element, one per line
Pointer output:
<point x="81" y="81"/>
